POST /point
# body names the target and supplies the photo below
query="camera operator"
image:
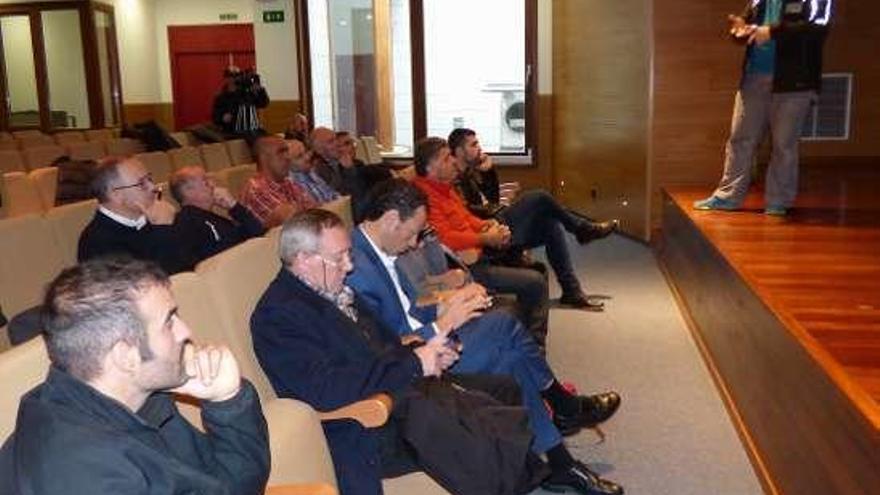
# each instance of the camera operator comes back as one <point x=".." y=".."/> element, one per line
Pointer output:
<point x="235" y="107"/>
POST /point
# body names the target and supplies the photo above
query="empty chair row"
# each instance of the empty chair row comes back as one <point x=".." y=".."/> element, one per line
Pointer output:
<point x="214" y="157"/>
<point x="43" y="156"/>
<point x="31" y="138"/>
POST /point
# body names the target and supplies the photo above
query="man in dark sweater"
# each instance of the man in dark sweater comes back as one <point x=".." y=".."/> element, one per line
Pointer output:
<point x="104" y="420"/>
<point x="130" y="218"/>
<point x="201" y="232"/>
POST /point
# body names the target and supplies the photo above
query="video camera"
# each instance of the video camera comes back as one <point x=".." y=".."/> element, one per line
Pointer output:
<point x="245" y="80"/>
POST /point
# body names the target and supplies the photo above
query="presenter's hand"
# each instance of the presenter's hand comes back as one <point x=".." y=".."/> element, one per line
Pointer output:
<point x="213" y="373"/>
<point x="760" y="35"/>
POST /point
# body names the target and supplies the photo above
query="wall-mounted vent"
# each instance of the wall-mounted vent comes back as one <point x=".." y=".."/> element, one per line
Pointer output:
<point x="829" y="118"/>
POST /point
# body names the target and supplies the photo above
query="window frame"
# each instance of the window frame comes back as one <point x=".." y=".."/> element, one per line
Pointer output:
<point x="86" y="11"/>
<point x="528" y="158"/>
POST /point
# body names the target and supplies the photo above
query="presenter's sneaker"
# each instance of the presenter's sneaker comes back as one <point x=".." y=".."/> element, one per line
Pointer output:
<point x="579" y="479"/>
<point x="715" y="203"/>
<point x="775" y="210"/>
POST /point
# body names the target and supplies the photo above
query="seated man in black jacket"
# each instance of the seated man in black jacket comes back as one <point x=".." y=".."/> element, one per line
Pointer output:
<point x="535" y="218"/>
<point x="104" y="421"/>
<point x="201" y="232"/>
<point x="130" y="219"/>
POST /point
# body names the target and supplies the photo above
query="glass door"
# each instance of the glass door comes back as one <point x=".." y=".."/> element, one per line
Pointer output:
<point x="21" y="102"/>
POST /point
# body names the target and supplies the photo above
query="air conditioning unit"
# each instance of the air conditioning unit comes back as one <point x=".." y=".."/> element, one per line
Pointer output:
<point x="829" y="118"/>
<point x="512" y="116"/>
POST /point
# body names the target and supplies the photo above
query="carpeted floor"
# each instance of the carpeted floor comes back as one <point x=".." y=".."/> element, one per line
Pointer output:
<point x="672" y="434"/>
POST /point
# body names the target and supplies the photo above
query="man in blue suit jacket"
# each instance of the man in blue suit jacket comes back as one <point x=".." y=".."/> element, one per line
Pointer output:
<point x="317" y="344"/>
<point x="493" y="342"/>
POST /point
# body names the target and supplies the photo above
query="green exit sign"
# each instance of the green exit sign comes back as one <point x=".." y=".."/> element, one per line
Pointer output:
<point x="229" y="17"/>
<point x="273" y="16"/>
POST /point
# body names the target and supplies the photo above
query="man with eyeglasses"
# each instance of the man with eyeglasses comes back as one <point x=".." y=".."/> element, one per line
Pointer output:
<point x="130" y="218"/>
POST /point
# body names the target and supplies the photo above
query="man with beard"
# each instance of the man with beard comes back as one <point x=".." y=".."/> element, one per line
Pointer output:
<point x="104" y="421"/>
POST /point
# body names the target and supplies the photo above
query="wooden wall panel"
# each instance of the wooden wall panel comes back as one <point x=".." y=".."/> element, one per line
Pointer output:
<point x="277" y="115"/>
<point x="601" y="82"/>
<point x="162" y="113"/>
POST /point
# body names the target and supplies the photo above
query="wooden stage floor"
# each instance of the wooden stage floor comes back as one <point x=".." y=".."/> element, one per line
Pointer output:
<point x="780" y="302"/>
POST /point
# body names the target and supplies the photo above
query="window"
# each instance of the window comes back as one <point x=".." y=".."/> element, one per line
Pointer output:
<point x="59" y="66"/>
<point x="401" y="70"/>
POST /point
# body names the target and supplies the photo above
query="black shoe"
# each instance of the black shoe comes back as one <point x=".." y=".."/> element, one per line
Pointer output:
<point x="580" y="479"/>
<point x="595" y="409"/>
<point x="580" y="300"/>
<point x="595" y="230"/>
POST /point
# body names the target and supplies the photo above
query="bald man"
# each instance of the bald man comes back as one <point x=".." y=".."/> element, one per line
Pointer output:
<point x="202" y="232"/>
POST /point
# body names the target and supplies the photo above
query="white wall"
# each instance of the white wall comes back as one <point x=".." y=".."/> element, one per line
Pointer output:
<point x="138" y="59"/>
<point x="187" y="13"/>
<point x="276" y="50"/>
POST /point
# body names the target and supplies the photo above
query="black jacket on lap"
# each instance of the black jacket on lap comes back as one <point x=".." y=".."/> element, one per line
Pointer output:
<point x="70" y="438"/>
<point x="203" y="233"/>
<point x="104" y="236"/>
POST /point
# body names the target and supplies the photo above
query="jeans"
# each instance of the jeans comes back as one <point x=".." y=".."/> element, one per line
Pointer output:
<point x="537" y="219"/>
<point x="495" y="343"/>
<point x="530" y="288"/>
<point x="756" y="108"/>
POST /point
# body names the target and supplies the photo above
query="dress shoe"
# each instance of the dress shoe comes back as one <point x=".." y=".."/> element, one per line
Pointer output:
<point x="580" y="479"/>
<point x="595" y="230"/>
<point x="580" y="300"/>
<point x="597" y="408"/>
<point x="594" y="409"/>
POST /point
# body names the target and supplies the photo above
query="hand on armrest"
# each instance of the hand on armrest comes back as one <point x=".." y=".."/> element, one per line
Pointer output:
<point x="371" y="412"/>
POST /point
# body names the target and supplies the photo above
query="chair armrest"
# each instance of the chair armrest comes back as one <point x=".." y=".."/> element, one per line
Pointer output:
<point x="301" y="489"/>
<point x="371" y="412"/>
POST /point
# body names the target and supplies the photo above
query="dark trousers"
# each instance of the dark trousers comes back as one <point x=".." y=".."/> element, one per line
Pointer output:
<point x="530" y="288"/>
<point x="537" y="219"/>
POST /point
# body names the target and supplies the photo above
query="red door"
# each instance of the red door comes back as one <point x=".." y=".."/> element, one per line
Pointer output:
<point x="198" y="55"/>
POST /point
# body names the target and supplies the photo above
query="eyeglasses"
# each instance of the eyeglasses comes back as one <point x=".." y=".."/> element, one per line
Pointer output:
<point x="344" y="259"/>
<point x="143" y="183"/>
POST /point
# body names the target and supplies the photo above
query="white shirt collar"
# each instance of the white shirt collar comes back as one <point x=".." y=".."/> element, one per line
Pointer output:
<point x="388" y="261"/>
<point x="116" y="217"/>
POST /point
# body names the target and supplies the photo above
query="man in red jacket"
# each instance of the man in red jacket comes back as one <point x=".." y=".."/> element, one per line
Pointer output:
<point x="461" y="230"/>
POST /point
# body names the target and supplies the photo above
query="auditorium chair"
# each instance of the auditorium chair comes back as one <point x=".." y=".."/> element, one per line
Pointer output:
<point x="239" y="152"/>
<point x="11" y="161"/>
<point x="65" y="138"/>
<point x="8" y="145"/>
<point x="215" y="157"/>
<point x="100" y="135"/>
<point x="67" y="223"/>
<point x="42" y="156"/>
<point x="35" y="141"/>
<point x="185" y="157"/>
<point x="184" y="138"/>
<point x="235" y="177"/>
<point x="86" y="150"/>
<point x="26" y="134"/>
<point x="124" y="147"/>
<point x="26" y="193"/>
<point x="373" y="156"/>
<point x="157" y="163"/>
